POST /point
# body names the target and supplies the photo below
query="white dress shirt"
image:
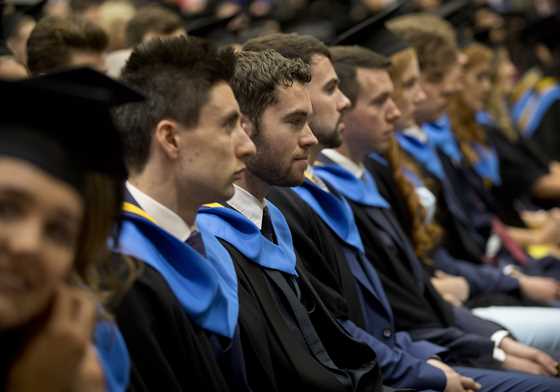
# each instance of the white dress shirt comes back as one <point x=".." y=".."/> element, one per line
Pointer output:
<point x="357" y="169"/>
<point x="165" y="218"/>
<point x="247" y="204"/>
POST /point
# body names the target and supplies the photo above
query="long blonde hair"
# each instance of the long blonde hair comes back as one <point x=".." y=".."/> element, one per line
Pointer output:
<point x="424" y="236"/>
<point x="497" y="102"/>
<point x="463" y="118"/>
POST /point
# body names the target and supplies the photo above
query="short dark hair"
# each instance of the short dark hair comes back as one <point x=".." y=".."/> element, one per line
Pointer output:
<point x="291" y="46"/>
<point x="258" y="74"/>
<point x="347" y="60"/>
<point x="436" y="54"/>
<point x="176" y="75"/>
<point x="54" y="38"/>
<point x="151" y="18"/>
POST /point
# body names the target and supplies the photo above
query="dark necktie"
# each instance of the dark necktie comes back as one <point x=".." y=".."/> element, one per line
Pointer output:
<point x="267" y="229"/>
<point x="195" y="241"/>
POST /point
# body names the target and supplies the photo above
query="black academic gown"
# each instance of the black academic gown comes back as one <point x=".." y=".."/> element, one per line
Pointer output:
<point x="291" y="341"/>
<point x="168" y="351"/>
<point x="546" y="136"/>
<point x="274" y="346"/>
<point x="522" y="163"/>
<point x="322" y="256"/>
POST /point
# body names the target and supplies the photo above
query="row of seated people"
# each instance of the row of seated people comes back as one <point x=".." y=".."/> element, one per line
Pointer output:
<point x="344" y="218"/>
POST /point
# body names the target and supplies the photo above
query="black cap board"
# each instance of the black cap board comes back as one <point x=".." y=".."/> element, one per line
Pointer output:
<point x="460" y="14"/>
<point x="543" y="30"/>
<point x="372" y="33"/>
<point x="62" y="123"/>
<point x="211" y="27"/>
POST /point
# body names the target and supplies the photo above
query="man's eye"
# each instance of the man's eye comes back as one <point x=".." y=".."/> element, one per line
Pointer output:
<point x="10" y="209"/>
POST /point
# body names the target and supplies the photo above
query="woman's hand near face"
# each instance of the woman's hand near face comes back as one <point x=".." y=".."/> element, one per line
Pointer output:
<point x="52" y="360"/>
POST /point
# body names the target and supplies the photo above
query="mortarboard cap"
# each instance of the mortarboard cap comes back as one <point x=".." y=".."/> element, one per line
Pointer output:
<point x="372" y="33"/>
<point x="460" y="14"/>
<point x="544" y="30"/>
<point x="211" y="27"/>
<point x="62" y="123"/>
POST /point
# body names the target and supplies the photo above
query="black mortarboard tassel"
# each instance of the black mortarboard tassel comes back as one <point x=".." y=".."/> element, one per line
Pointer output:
<point x="372" y="34"/>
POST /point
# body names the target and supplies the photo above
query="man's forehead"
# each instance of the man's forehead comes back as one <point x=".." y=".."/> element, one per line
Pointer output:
<point x="221" y="98"/>
<point x="322" y="66"/>
<point x="292" y="97"/>
<point x="373" y="74"/>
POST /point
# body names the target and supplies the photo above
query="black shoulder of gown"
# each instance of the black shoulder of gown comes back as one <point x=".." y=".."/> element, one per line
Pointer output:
<point x="320" y="252"/>
<point x="546" y="135"/>
<point x="277" y="356"/>
<point x="168" y="351"/>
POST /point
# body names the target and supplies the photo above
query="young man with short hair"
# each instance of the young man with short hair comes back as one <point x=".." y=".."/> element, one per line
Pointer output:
<point x="184" y="147"/>
<point x="56" y="43"/>
<point x="289" y="333"/>
<point x="149" y="22"/>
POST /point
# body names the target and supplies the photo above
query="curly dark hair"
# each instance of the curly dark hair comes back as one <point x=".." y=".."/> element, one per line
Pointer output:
<point x="257" y="76"/>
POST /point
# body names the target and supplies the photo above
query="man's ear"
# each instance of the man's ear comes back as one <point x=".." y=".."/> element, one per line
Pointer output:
<point x="247" y="125"/>
<point x="167" y="138"/>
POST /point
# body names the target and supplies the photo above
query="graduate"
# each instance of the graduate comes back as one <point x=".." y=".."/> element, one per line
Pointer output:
<point x="403" y="188"/>
<point x="522" y="163"/>
<point x="61" y="42"/>
<point x="149" y="22"/>
<point x="288" y="332"/>
<point x="415" y="206"/>
<point x="55" y="333"/>
<point x="417" y="307"/>
<point x="537" y="113"/>
<point x="327" y="241"/>
<point x="184" y="147"/>
<point x="457" y="188"/>
<point x="484" y="150"/>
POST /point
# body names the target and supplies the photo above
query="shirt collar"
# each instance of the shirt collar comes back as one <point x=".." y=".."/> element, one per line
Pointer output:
<point x="248" y="205"/>
<point x="356" y="169"/>
<point x="164" y="217"/>
<point x="417" y="133"/>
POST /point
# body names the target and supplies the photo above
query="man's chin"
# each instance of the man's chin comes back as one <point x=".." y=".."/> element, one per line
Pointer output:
<point x="296" y="179"/>
<point x="224" y="195"/>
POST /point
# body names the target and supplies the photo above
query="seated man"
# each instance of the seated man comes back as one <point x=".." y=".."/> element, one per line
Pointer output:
<point x="290" y="339"/>
<point x="180" y="317"/>
<point x="58" y="42"/>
